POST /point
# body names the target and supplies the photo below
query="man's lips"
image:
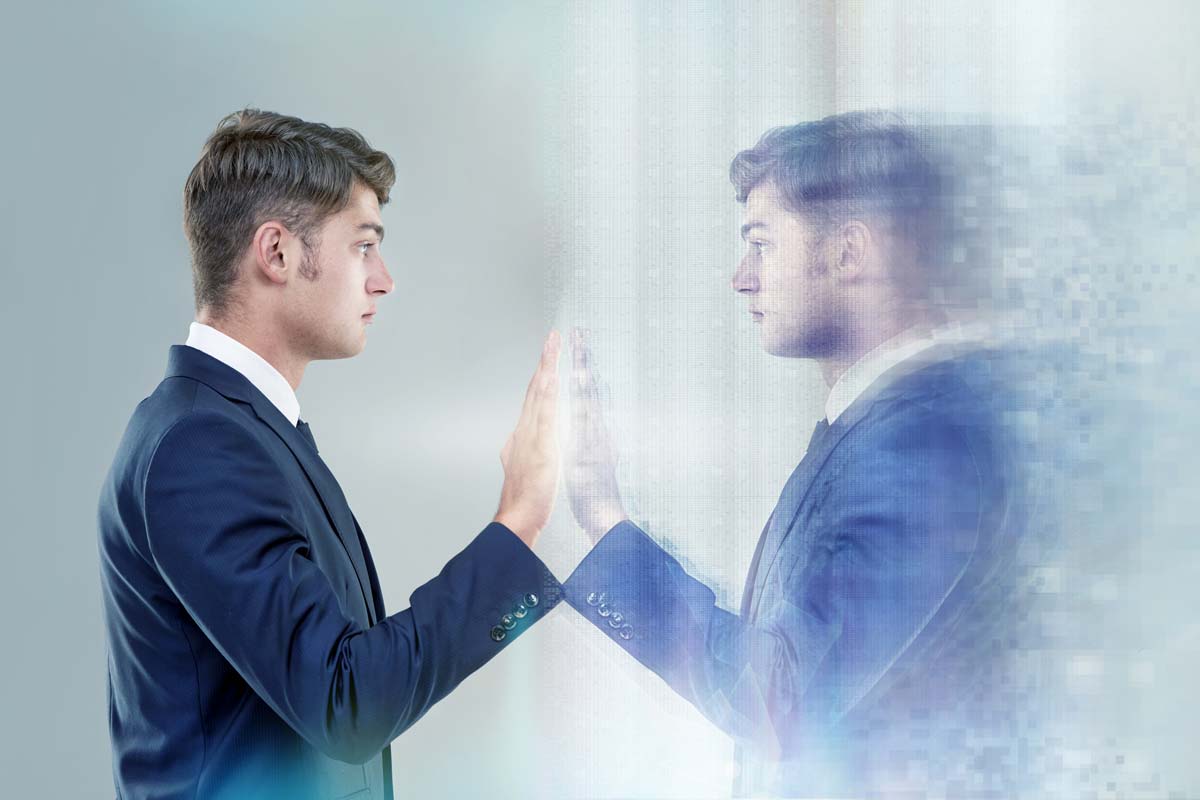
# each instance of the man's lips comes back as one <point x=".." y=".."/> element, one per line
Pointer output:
<point x="756" y="315"/>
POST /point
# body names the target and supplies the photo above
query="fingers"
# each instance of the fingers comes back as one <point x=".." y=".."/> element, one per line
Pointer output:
<point x="583" y="378"/>
<point x="551" y="349"/>
<point x="547" y="401"/>
<point x="579" y="349"/>
<point x="540" y="410"/>
<point x="579" y="405"/>
<point x="530" y="393"/>
<point x="586" y="416"/>
<point x="547" y="420"/>
<point x="547" y="363"/>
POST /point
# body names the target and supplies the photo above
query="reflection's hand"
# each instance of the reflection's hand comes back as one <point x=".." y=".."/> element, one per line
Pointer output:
<point x="530" y="456"/>
<point x="591" y="457"/>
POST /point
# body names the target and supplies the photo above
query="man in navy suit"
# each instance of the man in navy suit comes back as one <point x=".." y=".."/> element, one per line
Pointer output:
<point x="870" y="623"/>
<point x="250" y="655"/>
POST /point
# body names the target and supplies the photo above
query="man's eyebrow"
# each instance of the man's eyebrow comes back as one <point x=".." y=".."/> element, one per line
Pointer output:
<point x="371" y="226"/>
<point x="749" y="226"/>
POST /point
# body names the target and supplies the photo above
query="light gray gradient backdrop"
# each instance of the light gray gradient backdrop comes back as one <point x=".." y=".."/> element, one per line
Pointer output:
<point x="557" y="164"/>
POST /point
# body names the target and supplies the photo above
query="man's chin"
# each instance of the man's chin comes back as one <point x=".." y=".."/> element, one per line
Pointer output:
<point x="343" y="350"/>
<point x="815" y="343"/>
<point x="783" y="348"/>
<point x="355" y="343"/>
<point x="777" y="346"/>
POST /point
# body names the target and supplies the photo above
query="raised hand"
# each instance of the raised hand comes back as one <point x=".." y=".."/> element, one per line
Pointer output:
<point x="531" y="457"/>
<point x="591" y="456"/>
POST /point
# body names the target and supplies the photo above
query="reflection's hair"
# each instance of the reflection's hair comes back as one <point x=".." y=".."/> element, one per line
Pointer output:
<point x="847" y="166"/>
<point x="257" y="166"/>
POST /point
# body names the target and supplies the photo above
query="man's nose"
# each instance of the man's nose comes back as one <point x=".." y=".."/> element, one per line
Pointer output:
<point x="380" y="282"/>
<point x="745" y="278"/>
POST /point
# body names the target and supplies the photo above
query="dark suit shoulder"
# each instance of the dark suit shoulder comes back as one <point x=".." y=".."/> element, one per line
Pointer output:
<point x="967" y="384"/>
<point x="957" y="402"/>
<point x="175" y="400"/>
<point x="933" y="436"/>
<point x="914" y="422"/>
<point x="179" y="396"/>
<point x="908" y="452"/>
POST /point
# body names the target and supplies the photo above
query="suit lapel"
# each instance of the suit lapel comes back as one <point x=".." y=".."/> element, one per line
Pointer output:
<point x="372" y="573"/>
<point x="334" y="502"/>
<point x="895" y="382"/>
<point x="752" y="576"/>
<point x="192" y="363"/>
<point x="790" y="500"/>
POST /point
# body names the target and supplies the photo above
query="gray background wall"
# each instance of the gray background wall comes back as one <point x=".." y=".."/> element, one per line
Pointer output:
<point x="557" y="164"/>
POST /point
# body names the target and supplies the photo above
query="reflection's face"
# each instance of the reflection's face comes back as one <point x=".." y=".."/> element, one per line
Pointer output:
<point x="334" y="298"/>
<point x="786" y="279"/>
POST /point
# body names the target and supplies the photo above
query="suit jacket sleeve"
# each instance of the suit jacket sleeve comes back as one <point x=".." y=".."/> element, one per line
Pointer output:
<point x="222" y="526"/>
<point x="893" y="536"/>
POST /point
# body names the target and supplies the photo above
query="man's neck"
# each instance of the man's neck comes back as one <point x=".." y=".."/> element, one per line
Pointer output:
<point x="269" y="349"/>
<point x="867" y="338"/>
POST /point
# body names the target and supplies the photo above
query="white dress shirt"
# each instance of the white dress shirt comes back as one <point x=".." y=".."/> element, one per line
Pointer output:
<point x="907" y="344"/>
<point x="234" y="354"/>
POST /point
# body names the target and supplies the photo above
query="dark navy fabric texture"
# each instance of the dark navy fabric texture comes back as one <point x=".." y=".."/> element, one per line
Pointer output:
<point x="873" y="598"/>
<point x="250" y="654"/>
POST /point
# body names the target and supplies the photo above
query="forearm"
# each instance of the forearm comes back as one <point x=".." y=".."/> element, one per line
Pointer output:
<point x="481" y="601"/>
<point x="744" y="678"/>
<point x="348" y="689"/>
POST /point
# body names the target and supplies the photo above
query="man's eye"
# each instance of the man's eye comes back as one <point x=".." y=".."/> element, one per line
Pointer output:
<point x="365" y="246"/>
<point x="758" y="246"/>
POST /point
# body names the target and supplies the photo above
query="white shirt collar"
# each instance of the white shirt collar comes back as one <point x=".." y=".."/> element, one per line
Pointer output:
<point x="905" y="345"/>
<point x="255" y="368"/>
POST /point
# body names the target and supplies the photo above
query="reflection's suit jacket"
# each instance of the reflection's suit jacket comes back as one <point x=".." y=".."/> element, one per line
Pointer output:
<point x="249" y="651"/>
<point x="867" y="593"/>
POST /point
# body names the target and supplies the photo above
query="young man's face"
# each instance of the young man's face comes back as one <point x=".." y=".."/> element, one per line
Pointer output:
<point x="785" y="278"/>
<point x="333" y="297"/>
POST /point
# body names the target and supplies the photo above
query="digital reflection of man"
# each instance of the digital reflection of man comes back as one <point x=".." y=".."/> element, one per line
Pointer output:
<point x="249" y="652"/>
<point x="864" y="624"/>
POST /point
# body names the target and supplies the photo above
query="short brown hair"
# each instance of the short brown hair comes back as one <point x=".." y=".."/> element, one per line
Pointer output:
<point x="848" y="164"/>
<point x="259" y="165"/>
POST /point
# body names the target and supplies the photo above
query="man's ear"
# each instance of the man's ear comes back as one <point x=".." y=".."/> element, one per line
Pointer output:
<point x="851" y="245"/>
<point x="268" y="248"/>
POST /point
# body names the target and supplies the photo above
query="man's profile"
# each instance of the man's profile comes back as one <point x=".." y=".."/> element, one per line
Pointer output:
<point x="869" y="613"/>
<point x="249" y="651"/>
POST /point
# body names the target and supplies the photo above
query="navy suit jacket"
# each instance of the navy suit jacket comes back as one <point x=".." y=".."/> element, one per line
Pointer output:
<point x="870" y="597"/>
<point x="249" y="652"/>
